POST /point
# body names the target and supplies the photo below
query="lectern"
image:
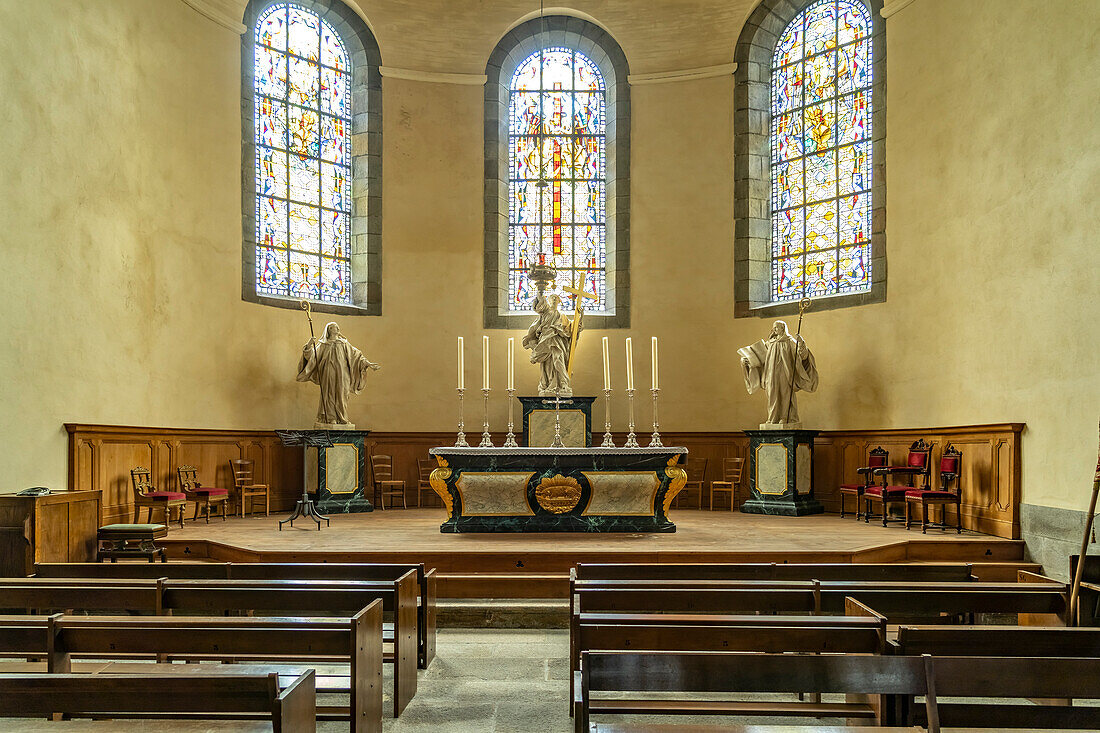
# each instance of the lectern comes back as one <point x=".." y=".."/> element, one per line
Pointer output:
<point x="306" y="439"/>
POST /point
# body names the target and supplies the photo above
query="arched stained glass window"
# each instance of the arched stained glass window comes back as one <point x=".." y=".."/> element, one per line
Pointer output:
<point x="557" y="180"/>
<point x="303" y="112"/>
<point x="821" y="144"/>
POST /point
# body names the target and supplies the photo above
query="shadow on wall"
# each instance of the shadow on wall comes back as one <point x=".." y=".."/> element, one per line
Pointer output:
<point x="859" y="392"/>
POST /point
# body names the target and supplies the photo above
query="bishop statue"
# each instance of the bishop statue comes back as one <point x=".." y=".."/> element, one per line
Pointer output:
<point x="782" y="365"/>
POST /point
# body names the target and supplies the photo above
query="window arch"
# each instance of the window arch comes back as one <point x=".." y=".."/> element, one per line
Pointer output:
<point x="810" y="194"/>
<point x="312" y="180"/>
<point x="557" y="111"/>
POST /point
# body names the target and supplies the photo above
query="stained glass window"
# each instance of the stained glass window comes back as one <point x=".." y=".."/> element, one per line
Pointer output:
<point x="821" y="153"/>
<point x="303" y="113"/>
<point x="557" y="175"/>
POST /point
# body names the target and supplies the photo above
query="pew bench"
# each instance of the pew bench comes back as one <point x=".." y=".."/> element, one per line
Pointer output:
<point x="907" y="572"/>
<point x="291" y="709"/>
<point x="606" y="677"/>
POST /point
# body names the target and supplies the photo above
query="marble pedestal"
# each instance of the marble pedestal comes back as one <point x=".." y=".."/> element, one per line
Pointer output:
<point x="538" y="421"/>
<point x="336" y="476"/>
<point x="781" y="473"/>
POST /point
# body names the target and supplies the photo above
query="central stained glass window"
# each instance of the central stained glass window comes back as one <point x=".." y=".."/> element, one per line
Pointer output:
<point x="303" y="115"/>
<point x="821" y="153"/>
<point x="557" y="176"/>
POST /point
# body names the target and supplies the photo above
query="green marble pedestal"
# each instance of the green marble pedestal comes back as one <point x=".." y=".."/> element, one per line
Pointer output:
<point x="538" y="421"/>
<point x="781" y="473"/>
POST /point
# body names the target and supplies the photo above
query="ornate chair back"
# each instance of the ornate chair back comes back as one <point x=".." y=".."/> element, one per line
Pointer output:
<point x="732" y="468"/>
<point x="142" y="481"/>
<point x="878" y="457"/>
<point x="920" y="456"/>
<point x="950" y="468"/>
<point x="243" y="474"/>
<point x="188" y="477"/>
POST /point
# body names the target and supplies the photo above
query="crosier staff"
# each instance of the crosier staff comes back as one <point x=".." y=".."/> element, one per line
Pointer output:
<point x="803" y="306"/>
<point x="313" y="340"/>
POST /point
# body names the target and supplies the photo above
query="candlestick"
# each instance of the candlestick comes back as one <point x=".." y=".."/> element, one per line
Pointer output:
<point x="486" y="439"/>
<point x="655" y="367"/>
<point x="557" y="423"/>
<point x="608" y="441"/>
<point x="655" y="439"/>
<point x="631" y="439"/>
<point x="606" y="367"/>
<point x="460" y="442"/>
<point x="510" y="439"/>
<point x="629" y="365"/>
<point x="485" y="362"/>
<point x="511" y="365"/>
<point x="461" y="366"/>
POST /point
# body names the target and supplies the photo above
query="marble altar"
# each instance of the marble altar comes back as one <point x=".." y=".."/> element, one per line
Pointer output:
<point x="558" y="489"/>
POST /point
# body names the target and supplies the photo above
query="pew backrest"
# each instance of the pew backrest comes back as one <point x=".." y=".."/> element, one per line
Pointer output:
<point x="997" y="641"/>
<point x="931" y="572"/>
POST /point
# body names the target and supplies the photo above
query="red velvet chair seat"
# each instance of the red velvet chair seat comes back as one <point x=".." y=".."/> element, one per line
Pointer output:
<point x="922" y="494"/>
<point x="891" y="491"/>
<point x="168" y="495"/>
<point x="210" y="491"/>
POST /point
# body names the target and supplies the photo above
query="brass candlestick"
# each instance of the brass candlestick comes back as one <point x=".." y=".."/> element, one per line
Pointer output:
<point x="486" y="439"/>
<point x="460" y="442"/>
<point x="510" y="439"/>
<point x="557" y="423"/>
<point x="631" y="439"/>
<point x="608" y="441"/>
<point x="655" y="439"/>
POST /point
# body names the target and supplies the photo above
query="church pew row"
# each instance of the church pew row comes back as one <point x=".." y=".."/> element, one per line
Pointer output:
<point x="356" y="641"/>
<point x="860" y="631"/>
<point x="291" y="709"/>
<point x="165" y="596"/>
<point x="616" y="683"/>
<point x="425" y="579"/>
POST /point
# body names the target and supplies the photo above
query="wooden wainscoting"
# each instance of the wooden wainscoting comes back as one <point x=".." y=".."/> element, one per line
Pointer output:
<point x="101" y="456"/>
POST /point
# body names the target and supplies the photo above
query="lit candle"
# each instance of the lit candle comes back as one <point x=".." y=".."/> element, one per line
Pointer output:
<point x="629" y="364"/>
<point x="606" y="366"/>
<point x="485" y="362"/>
<point x="511" y="362"/>
<point x="461" y="366"/>
<point x="653" y="348"/>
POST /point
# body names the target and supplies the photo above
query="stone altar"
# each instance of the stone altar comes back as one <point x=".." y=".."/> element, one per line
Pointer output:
<point x="558" y="489"/>
<point x="781" y="473"/>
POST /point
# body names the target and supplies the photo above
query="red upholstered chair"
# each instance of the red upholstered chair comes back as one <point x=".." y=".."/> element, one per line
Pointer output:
<point x="950" y="471"/>
<point x="917" y="463"/>
<point x="204" y="496"/>
<point x="147" y="496"/>
<point x="876" y="458"/>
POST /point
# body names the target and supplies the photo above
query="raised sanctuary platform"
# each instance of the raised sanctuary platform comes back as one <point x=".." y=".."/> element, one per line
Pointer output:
<point x="558" y="489"/>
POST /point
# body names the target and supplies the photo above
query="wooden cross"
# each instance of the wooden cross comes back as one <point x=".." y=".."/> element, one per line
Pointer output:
<point x="576" y="323"/>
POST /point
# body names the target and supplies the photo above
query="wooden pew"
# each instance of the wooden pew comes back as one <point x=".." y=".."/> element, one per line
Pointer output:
<point x="426" y="581"/>
<point x="932" y="572"/>
<point x="159" y="596"/>
<point x="290" y="710"/>
<point x="900" y="677"/>
<point x="997" y="641"/>
<point x="356" y="641"/>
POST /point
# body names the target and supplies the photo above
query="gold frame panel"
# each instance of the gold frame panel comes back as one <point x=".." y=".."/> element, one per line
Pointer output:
<point x="356" y="449"/>
<point x="652" y="499"/>
<point x="526" y="499"/>
<point x="756" y="467"/>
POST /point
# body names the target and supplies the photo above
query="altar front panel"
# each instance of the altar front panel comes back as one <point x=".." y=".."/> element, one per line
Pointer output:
<point x="558" y="489"/>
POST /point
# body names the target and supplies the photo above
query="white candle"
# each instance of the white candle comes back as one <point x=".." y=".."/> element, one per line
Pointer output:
<point x="629" y="364"/>
<point x="485" y="362"/>
<point x="606" y="366"/>
<point x="461" y="366"/>
<point x="511" y="359"/>
<point x="653" y="355"/>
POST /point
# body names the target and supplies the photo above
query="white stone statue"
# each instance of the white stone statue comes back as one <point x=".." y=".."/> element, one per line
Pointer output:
<point x="781" y="365"/>
<point x="339" y="368"/>
<point x="549" y="339"/>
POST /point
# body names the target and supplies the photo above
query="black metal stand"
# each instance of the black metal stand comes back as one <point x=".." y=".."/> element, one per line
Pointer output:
<point x="305" y="506"/>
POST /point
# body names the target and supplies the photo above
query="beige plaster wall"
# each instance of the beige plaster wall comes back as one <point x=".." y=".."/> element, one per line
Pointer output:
<point x="121" y="227"/>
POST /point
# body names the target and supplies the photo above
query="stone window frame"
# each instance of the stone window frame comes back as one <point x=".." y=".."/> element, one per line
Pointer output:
<point x="366" y="167"/>
<point x="752" y="156"/>
<point x="599" y="46"/>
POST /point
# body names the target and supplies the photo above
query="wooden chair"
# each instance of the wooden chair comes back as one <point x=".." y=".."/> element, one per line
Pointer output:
<point x="918" y="463"/>
<point x="424" y="467"/>
<point x="204" y="496"/>
<point x="950" y="470"/>
<point x="732" y="469"/>
<point x="385" y="485"/>
<point x="876" y="458"/>
<point x="149" y="497"/>
<point x="246" y="488"/>
<point x="696" y="470"/>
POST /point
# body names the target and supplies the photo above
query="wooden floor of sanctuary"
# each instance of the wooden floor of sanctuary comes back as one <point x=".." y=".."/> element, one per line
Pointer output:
<point x="412" y="535"/>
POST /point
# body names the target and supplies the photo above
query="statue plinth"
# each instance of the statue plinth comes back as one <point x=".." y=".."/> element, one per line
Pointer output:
<point x="780" y="426"/>
<point x="333" y="426"/>
<point x="336" y="475"/>
<point x="781" y="471"/>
